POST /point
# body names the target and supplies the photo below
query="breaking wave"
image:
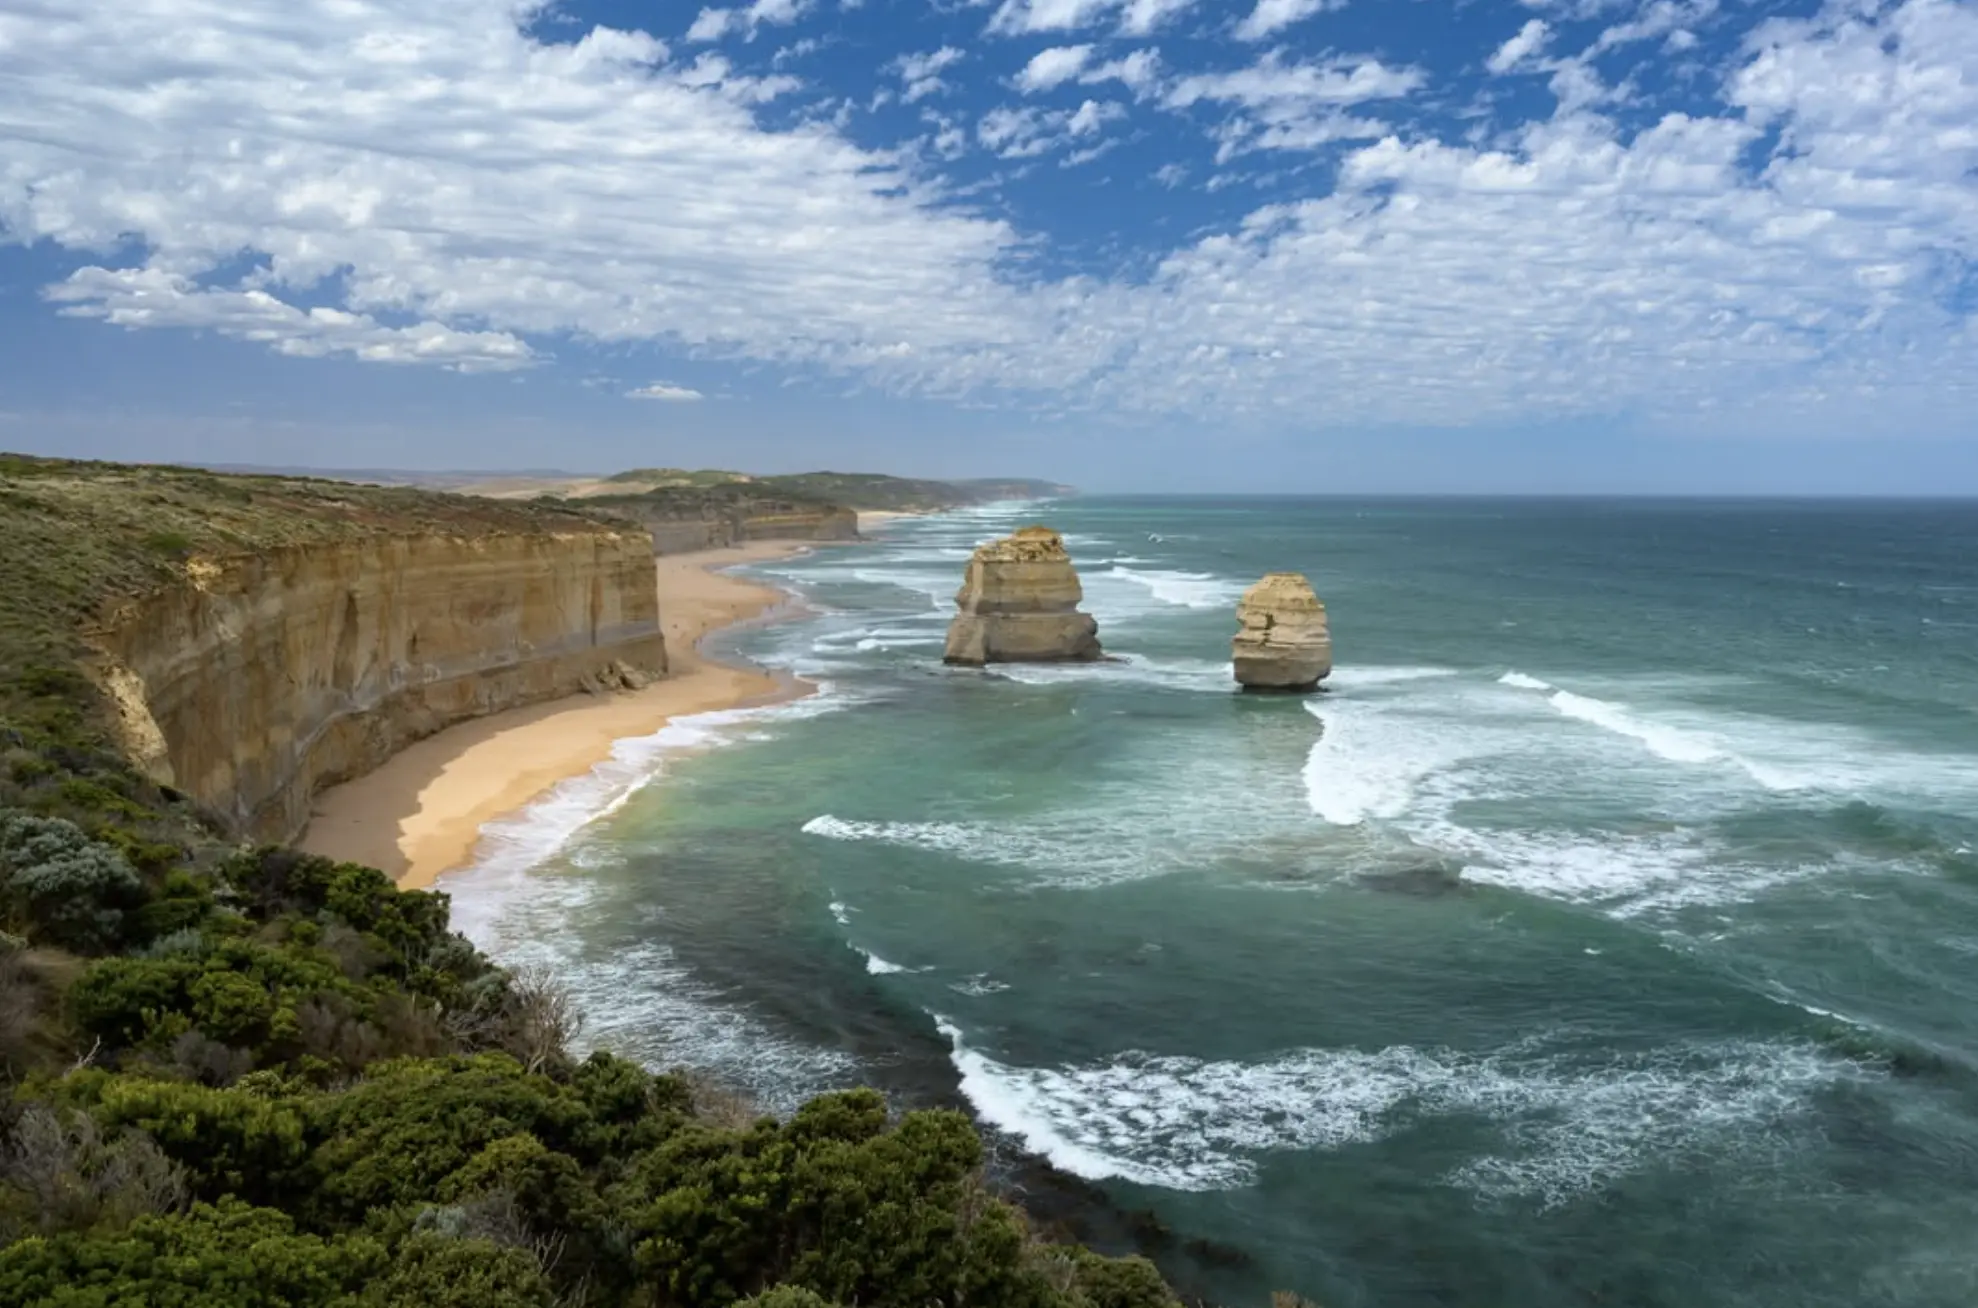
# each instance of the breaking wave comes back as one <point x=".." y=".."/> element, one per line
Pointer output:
<point x="1560" y="1129"/>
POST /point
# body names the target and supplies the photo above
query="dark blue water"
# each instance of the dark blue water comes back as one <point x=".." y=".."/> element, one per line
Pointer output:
<point x="1608" y="934"/>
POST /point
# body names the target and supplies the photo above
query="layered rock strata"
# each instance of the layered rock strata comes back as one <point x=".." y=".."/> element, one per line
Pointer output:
<point x="1281" y="642"/>
<point x="263" y="678"/>
<point x="1019" y="604"/>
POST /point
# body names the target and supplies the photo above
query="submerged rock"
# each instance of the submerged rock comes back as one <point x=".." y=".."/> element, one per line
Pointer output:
<point x="1019" y="604"/>
<point x="1281" y="641"/>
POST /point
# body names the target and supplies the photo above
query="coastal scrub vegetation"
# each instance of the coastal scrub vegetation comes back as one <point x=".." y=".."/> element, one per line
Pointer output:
<point x="241" y="1075"/>
<point x="852" y="490"/>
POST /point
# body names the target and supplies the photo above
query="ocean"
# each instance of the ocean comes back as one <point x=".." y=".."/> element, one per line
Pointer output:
<point x="1607" y="933"/>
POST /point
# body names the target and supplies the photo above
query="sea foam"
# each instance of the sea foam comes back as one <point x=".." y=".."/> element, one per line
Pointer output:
<point x="1193" y="590"/>
<point x="1561" y="1128"/>
<point x="1368" y="760"/>
<point x="510" y="847"/>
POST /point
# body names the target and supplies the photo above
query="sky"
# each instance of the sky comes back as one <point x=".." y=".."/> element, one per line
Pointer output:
<point x="1156" y="245"/>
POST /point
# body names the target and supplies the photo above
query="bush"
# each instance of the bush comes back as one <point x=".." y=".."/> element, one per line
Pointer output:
<point x="228" y="1255"/>
<point x="835" y="1203"/>
<point x="229" y="1142"/>
<point x="432" y="1271"/>
<point x="61" y="1171"/>
<point x="396" y="1137"/>
<point x="64" y="888"/>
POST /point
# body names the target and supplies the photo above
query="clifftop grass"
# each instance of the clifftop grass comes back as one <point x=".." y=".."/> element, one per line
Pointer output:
<point x="852" y="490"/>
<point x="77" y="536"/>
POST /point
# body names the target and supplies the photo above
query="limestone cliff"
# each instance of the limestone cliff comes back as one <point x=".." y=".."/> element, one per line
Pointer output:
<point x="684" y="519"/>
<point x="1282" y="642"/>
<point x="1019" y="604"/>
<point x="265" y="678"/>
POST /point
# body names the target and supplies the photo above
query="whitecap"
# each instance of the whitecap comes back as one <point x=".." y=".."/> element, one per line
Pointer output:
<point x="1194" y="590"/>
<point x="1368" y="760"/>
<point x="1564" y="1128"/>
<point x="1349" y="677"/>
<point x="1665" y="742"/>
<point x="1523" y="682"/>
<point x="1127" y="668"/>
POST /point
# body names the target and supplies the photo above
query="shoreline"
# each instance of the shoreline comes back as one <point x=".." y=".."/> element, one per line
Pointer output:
<point x="418" y="815"/>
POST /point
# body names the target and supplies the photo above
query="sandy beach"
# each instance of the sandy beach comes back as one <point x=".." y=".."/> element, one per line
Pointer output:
<point x="421" y="813"/>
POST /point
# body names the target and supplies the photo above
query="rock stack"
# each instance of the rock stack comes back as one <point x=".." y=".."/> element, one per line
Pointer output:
<point x="1019" y="604"/>
<point x="1281" y="642"/>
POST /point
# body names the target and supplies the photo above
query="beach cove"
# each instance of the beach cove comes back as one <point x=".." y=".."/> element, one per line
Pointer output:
<point x="421" y="813"/>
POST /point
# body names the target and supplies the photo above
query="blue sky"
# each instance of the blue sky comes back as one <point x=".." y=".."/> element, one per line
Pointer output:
<point x="1288" y="245"/>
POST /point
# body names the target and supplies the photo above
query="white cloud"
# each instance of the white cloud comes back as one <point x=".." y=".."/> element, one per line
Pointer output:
<point x="1272" y="16"/>
<point x="1272" y="81"/>
<point x="1053" y="67"/>
<point x="448" y="191"/>
<point x="493" y="185"/>
<point x="1132" y="17"/>
<point x="1522" y="45"/>
<point x="1292" y="106"/>
<point x="665" y="391"/>
<point x="1025" y="133"/>
<point x="1092" y="115"/>
<point x="1049" y="69"/>
<point x="1657" y="19"/>
<point x="1143" y="17"/>
<point x="920" y="74"/>
<point x="155" y="297"/>
<point x="717" y="24"/>
<point x="1137" y="71"/>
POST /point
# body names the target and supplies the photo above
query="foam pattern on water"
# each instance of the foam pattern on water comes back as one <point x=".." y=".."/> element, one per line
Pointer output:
<point x="1417" y="757"/>
<point x="669" y="1018"/>
<point x="1563" y="1129"/>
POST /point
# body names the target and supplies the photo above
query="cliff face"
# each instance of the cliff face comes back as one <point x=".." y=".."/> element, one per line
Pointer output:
<point x="261" y="679"/>
<point x="1019" y="604"/>
<point x="681" y="522"/>
<point x="1282" y="642"/>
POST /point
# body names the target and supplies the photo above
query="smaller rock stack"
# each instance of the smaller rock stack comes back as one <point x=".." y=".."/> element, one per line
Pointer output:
<point x="1019" y="604"/>
<point x="1281" y="642"/>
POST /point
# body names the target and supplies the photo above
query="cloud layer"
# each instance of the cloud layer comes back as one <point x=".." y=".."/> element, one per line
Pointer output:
<point x="423" y="181"/>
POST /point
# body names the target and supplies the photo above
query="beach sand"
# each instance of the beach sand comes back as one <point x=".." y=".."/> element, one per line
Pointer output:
<point x="420" y="814"/>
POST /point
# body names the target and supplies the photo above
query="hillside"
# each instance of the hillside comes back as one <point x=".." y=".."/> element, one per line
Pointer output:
<point x="235" y="1075"/>
<point x="853" y="490"/>
<point x="686" y="517"/>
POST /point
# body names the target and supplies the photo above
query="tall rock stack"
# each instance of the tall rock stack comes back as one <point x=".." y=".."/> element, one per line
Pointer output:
<point x="1281" y="642"/>
<point x="1019" y="604"/>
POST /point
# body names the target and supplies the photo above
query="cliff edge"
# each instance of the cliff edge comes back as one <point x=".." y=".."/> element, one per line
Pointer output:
<point x="256" y="639"/>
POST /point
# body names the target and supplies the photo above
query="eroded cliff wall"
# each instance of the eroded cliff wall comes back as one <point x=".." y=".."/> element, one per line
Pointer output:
<point x="258" y="680"/>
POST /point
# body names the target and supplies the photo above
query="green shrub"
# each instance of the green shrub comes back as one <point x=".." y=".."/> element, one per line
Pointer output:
<point x="397" y="1136"/>
<point x="228" y="1255"/>
<point x="836" y="1203"/>
<point x="63" y="887"/>
<point x="229" y="1141"/>
<point x="432" y="1271"/>
<point x="787" y="1296"/>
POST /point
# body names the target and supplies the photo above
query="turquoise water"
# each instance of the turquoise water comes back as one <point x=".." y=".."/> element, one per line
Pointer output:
<point x="1608" y="934"/>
